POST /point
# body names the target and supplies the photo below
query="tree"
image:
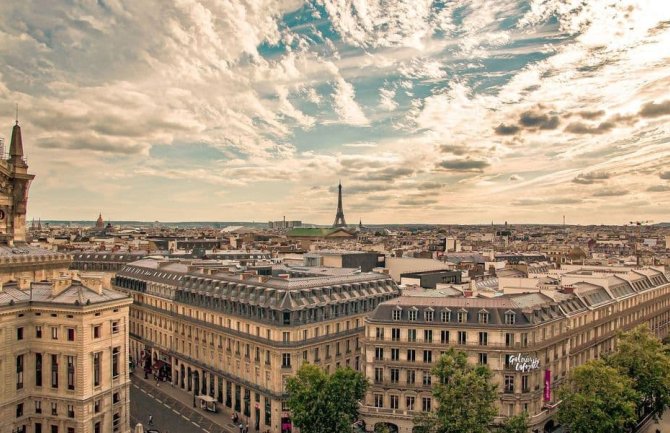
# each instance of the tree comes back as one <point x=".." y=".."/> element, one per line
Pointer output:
<point x="465" y="397"/>
<point x="597" y="398"/>
<point x="322" y="402"/>
<point x="515" y="424"/>
<point x="643" y="358"/>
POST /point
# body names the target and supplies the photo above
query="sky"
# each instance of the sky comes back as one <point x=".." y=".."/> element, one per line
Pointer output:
<point x="447" y="112"/>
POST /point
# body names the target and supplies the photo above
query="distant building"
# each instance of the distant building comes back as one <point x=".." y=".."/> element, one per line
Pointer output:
<point x="100" y="223"/>
<point x="339" y="216"/>
<point x="363" y="260"/>
<point x="430" y="279"/>
<point x="283" y="224"/>
<point x="308" y="235"/>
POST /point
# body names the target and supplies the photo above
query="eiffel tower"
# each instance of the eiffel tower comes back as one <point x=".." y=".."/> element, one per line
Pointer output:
<point x="339" y="217"/>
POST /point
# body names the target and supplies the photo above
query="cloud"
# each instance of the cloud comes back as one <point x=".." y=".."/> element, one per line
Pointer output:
<point x="610" y="192"/>
<point x="464" y="165"/>
<point x="346" y="106"/>
<point x="546" y="201"/>
<point x="454" y="149"/>
<point x="651" y="109"/>
<point x="386" y="99"/>
<point x="659" y="188"/>
<point x="592" y="177"/>
<point x="533" y="119"/>
<point x="504" y="129"/>
<point x="417" y="201"/>
<point x="515" y="177"/>
<point x="591" y="115"/>
<point x="582" y="128"/>
<point x="664" y="175"/>
<point x="388" y="174"/>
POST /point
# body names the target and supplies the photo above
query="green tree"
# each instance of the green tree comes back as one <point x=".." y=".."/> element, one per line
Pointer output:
<point x="465" y="397"/>
<point x="325" y="403"/>
<point x="515" y="424"/>
<point x="643" y="358"/>
<point x="597" y="398"/>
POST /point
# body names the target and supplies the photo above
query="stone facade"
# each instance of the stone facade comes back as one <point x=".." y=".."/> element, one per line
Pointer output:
<point x="237" y="337"/>
<point x="530" y="341"/>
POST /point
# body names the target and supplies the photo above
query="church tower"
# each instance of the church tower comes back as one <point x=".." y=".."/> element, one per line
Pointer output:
<point x="339" y="216"/>
<point x="14" y="185"/>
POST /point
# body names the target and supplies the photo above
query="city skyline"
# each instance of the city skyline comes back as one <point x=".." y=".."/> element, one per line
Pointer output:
<point x="454" y="114"/>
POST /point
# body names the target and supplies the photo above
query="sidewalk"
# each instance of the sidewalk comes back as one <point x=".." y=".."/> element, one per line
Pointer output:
<point x="182" y="401"/>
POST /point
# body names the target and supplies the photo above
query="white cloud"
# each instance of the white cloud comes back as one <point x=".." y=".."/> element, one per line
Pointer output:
<point x="346" y="106"/>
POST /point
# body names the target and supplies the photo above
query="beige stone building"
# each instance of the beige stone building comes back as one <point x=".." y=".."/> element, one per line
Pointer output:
<point x="530" y="341"/>
<point x="63" y="358"/>
<point x="237" y="337"/>
<point x="63" y="343"/>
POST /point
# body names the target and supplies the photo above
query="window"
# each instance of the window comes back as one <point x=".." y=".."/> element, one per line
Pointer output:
<point x="412" y="315"/>
<point x="483" y="338"/>
<point x="411" y="335"/>
<point x="96" y="331"/>
<point x="38" y="332"/>
<point x="483" y="317"/>
<point x="397" y="314"/>
<point x="428" y="356"/>
<point x="97" y="427"/>
<point x="379" y="400"/>
<point x="115" y="327"/>
<point x="116" y="353"/>
<point x="427" y="378"/>
<point x="96" y="368"/>
<point x="70" y="334"/>
<point x="54" y="371"/>
<point x="395" y="334"/>
<point x="395" y="375"/>
<point x="38" y="369"/>
<point x="54" y="408"/>
<point x="54" y="333"/>
<point x="116" y="422"/>
<point x="411" y="355"/>
<point x="380" y="333"/>
<point x="394" y="402"/>
<point x="444" y="337"/>
<point x="524" y="339"/>
<point x="445" y="316"/>
<point x="379" y="374"/>
<point x="96" y="406"/>
<point x="379" y="353"/>
<point x="524" y="383"/>
<point x="509" y="339"/>
<point x="428" y="315"/>
<point x="38" y="406"/>
<point x="286" y="360"/>
<point x="70" y="372"/>
<point x="286" y="337"/>
<point x="428" y="335"/>
<point x="38" y="427"/>
<point x="510" y="318"/>
<point x="395" y="354"/>
<point x="509" y="384"/>
<point x="426" y="404"/>
<point x="70" y="411"/>
<point x="19" y="410"/>
<point x="19" y="372"/>
<point x="462" y="337"/>
<point x="70" y="430"/>
<point x="409" y="402"/>
<point x="411" y="377"/>
<point x="116" y="398"/>
<point x="19" y="333"/>
<point x="54" y="428"/>
<point x="462" y="316"/>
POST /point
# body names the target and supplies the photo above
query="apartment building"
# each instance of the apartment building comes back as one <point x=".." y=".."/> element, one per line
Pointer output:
<point x="530" y="341"/>
<point x="64" y="358"/>
<point x="238" y="336"/>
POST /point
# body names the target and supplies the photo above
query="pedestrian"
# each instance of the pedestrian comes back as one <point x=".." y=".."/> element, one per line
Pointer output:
<point x="246" y="428"/>
<point x="241" y="426"/>
<point x="151" y="420"/>
<point x="157" y="382"/>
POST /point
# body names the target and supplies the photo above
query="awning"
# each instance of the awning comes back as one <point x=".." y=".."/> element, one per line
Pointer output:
<point x="158" y="365"/>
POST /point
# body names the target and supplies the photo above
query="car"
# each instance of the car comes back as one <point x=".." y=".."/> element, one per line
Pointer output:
<point x="152" y="430"/>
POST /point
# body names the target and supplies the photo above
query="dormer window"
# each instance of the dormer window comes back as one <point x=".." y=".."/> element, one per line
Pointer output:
<point x="412" y="315"/>
<point x="483" y="317"/>
<point x="445" y="316"/>
<point x="510" y="318"/>
<point x="428" y="315"/>
<point x="462" y="316"/>
<point x="397" y="314"/>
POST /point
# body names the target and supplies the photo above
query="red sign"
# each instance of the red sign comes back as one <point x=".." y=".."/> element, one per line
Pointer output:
<point x="547" y="385"/>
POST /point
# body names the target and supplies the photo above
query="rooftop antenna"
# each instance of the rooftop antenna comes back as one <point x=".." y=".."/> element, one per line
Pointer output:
<point x="17" y="113"/>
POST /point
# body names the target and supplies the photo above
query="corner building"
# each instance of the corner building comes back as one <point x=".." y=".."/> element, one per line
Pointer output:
<point x="237" y="336"/>
<point x="63" y="359"/>
<point x="530" y="341"/>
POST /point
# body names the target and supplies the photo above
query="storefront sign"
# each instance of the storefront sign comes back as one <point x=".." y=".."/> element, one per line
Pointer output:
<point x="524" y="363"/>
<point x="547" y="385"/>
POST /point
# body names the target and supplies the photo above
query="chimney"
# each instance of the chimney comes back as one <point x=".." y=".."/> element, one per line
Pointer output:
<point x="568" y="289"/>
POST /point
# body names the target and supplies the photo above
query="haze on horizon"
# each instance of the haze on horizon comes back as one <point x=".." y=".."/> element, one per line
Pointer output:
<point x="437" y="112"/>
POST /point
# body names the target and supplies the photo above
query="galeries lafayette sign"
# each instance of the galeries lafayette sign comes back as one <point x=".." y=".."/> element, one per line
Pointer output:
<point x="524" y="363"/>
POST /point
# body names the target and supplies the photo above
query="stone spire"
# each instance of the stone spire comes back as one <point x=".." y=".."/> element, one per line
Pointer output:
<point x="339" y="217"/>
<point x="16" y="145"/>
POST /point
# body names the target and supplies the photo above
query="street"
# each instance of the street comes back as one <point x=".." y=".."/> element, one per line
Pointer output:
<point x="169" y="415"/>
<point x="663" y="425"/>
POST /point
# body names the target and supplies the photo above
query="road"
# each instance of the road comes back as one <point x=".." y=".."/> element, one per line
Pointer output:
<point x="169" y="415"/>
<point x="663" y="425"/>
